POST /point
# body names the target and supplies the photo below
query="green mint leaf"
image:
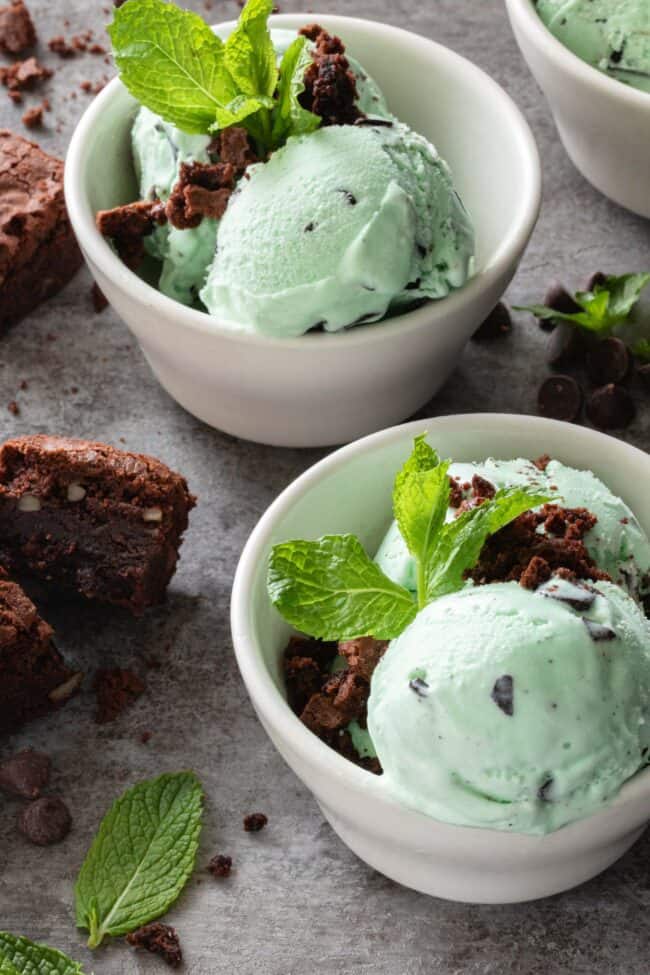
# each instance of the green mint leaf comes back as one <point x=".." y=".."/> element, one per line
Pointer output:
<point x="142" y="855"/>
<point x="172" y="62"/>
<point x="332" y="590"/>
<point x="420" y="504"/>
<point x="249" y="53"/>
<point x="596" y="305"/>
<point x="19" y="956"/>
<point x="460" y="541"/>
<point x="624" y="293"/>
<point x="581" y="318"/>
<point x="239" y="110"/>
<point x="290" y="118"/>
<point x="641" y="350"/>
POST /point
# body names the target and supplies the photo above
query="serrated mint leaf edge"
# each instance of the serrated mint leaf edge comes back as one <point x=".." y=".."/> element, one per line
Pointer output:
<point x="56" y="961"/>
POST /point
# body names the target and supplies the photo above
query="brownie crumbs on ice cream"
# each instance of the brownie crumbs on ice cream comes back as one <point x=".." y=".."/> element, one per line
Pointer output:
<point x="202" y="190"/>
<point x="327" y="702"/>
<point x="233" y="146"/>
<point x="17" y="32"/>
<point x="128" y="225"/>
<point x="330" y="85"/>
<point x="159" y="939"/>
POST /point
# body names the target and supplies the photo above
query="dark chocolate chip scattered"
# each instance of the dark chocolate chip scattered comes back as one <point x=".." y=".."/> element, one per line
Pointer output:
<point x="560" y="397"/>
<point x="220" y="866"/>
<point x="25" y="774"/>
<point x="567" y="346"/>
<point x="497" y="324"/>
<point x="595" y="280"/>
<point x="608" y="361"/>
<point x="419" y="687"/>
<point x="599" y="632"/>
<point x="365" y="120"/>
<point x="502" y="694"/>
<point x="45" y="821"/>
<point x="643" y="372"/>
<point x="559" y="299"/>
<point x="574" y="595"/>
<point x="160" y="939"/>
<point x="254" y="822"/>
<point x="611" y="407"/>
<point x="543" y="791"/>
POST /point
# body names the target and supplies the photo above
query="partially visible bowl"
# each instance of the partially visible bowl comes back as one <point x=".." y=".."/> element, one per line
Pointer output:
<point x="603" y="123"/>
<point x="327" y="388"/>
<point x="350" y="491"/>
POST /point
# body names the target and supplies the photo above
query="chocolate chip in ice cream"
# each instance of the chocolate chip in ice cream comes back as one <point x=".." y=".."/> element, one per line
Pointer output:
<point x="598" y="631"/>
<point x="503" y="694"/>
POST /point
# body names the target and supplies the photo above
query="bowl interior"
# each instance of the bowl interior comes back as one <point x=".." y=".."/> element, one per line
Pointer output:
<point x="472" y="122"/>
<point x="351" y="492"/>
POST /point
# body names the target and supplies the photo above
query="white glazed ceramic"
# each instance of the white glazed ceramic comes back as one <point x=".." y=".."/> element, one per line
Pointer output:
<point x="323" y="389"/>
<point x="603" y="123"/>
<point x="350" y="491"/>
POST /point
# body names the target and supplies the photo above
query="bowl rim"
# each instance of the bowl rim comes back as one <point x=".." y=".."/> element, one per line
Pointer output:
<point x="101" y="255"/>
<point x="272" y="706"/>
<point x="563" y="57"/>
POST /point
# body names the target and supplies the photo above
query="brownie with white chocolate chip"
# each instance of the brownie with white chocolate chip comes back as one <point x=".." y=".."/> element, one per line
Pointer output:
<point x="86" y="518"/>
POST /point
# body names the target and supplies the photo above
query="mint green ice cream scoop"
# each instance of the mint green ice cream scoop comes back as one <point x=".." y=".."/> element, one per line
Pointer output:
<point x="611" y="35"/>
<point x="515" y="710"/>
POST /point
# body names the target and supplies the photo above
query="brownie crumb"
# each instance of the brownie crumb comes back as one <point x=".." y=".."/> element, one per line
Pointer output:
<point x="45" y="821"/>
<point x="159" y="939"/>
<point x="116" y="690"/>
<point x="482" y="488"/>
<point x="233" y="146"/>
<point x="363" y="654"/>
<point x="59" y="45"/>
<point x="254" y="822"/>
<point x="202" y="190"/>
<point x="24" y="75"/>
<point x="33" y="117"/>
<point x="542" y="462"/>
<point x="145" y="737"/>
<point x="536" y="572"/>
<point x="220" y="865"/>
<point x="330" y="85"/>
<point x="25" y="774"/>
<point x="13" y="407"/>
<point x="99" y="299"/>
<point x="128" y="225"/>
<point x="17" y="32"/>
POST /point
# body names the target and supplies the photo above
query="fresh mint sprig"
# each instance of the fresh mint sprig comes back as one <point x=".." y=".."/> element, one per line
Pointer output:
<point x="331" y="589"/>
<point x="19" y="956"/>
<point x="174" y="64"/>
<point x="142" y="856"/>
<point x="608" y="305"/>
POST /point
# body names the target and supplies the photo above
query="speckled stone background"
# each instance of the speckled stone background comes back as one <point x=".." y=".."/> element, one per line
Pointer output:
<point x="298" y="901"/>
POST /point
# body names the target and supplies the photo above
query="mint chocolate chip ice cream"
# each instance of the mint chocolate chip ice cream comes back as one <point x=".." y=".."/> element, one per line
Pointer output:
<point x="611" y="35"/>
<point x="514" y="709"/>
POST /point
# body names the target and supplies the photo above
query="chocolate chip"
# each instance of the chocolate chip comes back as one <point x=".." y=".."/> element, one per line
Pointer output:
<point x="349" y="197"/>
<point x="502" y="694"/>
<point x="611" y="407"/>
<point x="25" y="774"/>
<point x="254" y="822"/>
<point x="566" y="346"/>
<point x="385" y="122"/>
<point x="598" y="631"/>
<point x="45" y="821"/>
<point x="560" y="398"/>
<point x="419" y="687"/>
<point x="576" y="596"/>
<point x="310" y="227"/>
<point x="497" y="324"/>
<point x="608" y="361"/>
<point x="559" y="299"/>
<point x="544" y="789"/>
<point x="595" y="280"/>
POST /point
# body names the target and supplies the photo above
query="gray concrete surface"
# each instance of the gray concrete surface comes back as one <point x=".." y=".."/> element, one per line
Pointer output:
<point x="299" y="900"/>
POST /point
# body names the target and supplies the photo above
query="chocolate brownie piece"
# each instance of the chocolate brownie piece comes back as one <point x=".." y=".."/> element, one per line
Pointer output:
<point x="33" y="677"/>
<point x="38" y="250"/>
<point x="17" y="32"/>
<point x="86" y="518"/>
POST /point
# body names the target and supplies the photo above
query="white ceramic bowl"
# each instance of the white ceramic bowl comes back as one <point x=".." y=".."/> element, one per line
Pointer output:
<point x="350" y="491"/>
<point x="323" y="389"/>
<point x="603" y="123"/>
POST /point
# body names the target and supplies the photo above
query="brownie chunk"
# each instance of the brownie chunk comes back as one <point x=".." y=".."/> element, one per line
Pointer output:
<point x="128" y="225"/>
<point x="160" y="939"/>
<point x="33" y="677"/>
<point x="17" y="32"/>
<point x="89" y="519"/>
<point x="38" y="250"/>
<point x="202" y="190"/>
<point x="330" y="85"/>
<point x="116" y="690"/>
